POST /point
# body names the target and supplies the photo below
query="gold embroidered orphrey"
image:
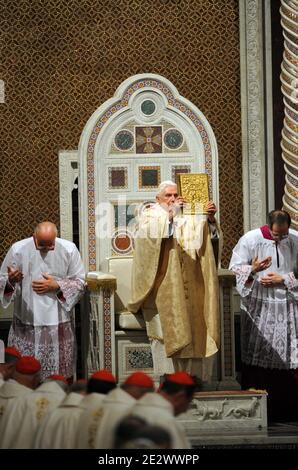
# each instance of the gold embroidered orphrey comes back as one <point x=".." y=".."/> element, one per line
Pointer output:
<point x="193" y="187"/>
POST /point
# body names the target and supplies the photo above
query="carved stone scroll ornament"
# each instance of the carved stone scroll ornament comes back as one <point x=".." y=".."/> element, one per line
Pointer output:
<point x="244" y="411"/>
<point x="223" y="409"/>
<point x="204" y="411"/>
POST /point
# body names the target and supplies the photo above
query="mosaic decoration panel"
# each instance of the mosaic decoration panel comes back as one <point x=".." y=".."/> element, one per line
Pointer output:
<point x="61" y="62"/>
<point x="138" y="358"/>
<point x="173" y="139"/>
<point x="133" y="354"/>
<point x="148" y="107"/>
<point x="122" y="242"/>
<point x="118" y="178"/>
<point x="149" y="177"/>
<point x="124" y="140"/>
<point x="179" y="169"/>
<point x="167" y="126"/>
<point x="149" y="139"/>
<point x="129" y="128"/>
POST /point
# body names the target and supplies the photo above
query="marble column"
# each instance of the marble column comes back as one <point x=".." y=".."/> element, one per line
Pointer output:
<point x="289" y="79"/>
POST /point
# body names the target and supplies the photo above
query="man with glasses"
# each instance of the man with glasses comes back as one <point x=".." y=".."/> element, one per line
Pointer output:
<point x="44" y="276"/>
<point x="265" y="264"/>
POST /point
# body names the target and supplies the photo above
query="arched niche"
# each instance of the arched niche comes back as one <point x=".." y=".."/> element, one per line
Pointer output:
<point x="146" y="133"/>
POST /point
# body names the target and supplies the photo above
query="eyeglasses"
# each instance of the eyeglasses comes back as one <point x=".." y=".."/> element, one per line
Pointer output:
<point x="45" y="248"/>
<point x="41" y="247"/>
<point x="281" y="236"/>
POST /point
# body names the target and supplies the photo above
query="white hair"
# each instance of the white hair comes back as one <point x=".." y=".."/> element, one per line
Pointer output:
<point x="163" y="185"/>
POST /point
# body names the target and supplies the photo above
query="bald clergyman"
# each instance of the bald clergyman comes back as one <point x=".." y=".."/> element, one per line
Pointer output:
<point x="44" y="276"/>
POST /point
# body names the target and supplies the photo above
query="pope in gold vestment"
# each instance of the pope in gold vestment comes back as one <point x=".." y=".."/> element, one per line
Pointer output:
<point x="175" y="284"/>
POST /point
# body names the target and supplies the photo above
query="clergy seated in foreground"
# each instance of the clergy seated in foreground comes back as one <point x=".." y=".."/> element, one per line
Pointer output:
<point x="160" y="409"/>
<point x="116" y="406"/>
<point x="100" y="384"/>
<point x="133" y="432"/>
<point x="264" y="262"/>
<point x="175" y="283"/>
<point x="58" y="429"/>
<point x="44" y="276"/>
<point x="19" y="383"/>
<point x="7" y="368"/>
<point x="24" y="415"/>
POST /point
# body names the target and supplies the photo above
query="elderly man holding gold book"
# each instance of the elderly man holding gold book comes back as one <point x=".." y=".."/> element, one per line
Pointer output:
<point x="175" y="283"/>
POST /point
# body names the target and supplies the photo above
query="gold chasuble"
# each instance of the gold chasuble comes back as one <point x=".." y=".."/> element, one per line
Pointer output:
<point x="175" y="283"/>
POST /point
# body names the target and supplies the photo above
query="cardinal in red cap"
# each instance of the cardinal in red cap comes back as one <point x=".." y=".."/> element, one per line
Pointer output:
<point x="27" y="372"/>
<point x="173" y="398"/>
<point x="137" y="384"/>
<point x="182" y="378"/>
<point x="102" y="381"/>
<point x="105" y="375"/>
<point x="118" y="404"/>
<point x="28" y="413"/>
<point x="140" y="379"/>
<point x="13" y="353"/>
<point x="12" y="390"/>
<point x="28" y="365"/>
<point x="178" y="388"/>
<point x="100" y="386"/>
<point x="58" y="377"/>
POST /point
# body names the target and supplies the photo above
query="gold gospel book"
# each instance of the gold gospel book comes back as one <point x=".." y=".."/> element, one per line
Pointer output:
<point x="194" y="188"/>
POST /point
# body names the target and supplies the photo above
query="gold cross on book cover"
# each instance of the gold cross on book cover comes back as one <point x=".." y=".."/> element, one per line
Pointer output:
<point x="194" y="188"/>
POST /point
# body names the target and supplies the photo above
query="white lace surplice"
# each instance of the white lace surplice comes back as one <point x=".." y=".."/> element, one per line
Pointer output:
<point x="269" y="320"/>
<point x="43" y="325"/>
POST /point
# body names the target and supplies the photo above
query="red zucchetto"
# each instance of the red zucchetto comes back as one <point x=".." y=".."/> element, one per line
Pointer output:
<point x="181" y="378"/>
<point x="28" y="365"/>
<point x="104" y="375"/>
<point x="13" y="352"/>
<point x="140" y="379"/>
<point x="58" y="377"/>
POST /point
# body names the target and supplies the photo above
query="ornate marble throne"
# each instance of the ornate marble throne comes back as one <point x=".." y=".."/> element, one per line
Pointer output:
<point x="145" y="134"/>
